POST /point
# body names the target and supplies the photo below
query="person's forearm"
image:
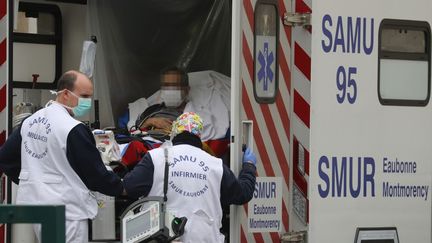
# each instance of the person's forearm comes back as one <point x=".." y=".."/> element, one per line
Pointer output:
<point x="238" y="191"/>
<point x="85" y="160"/>
<point x="247" y="183"/>
<point x="139" y="181"/>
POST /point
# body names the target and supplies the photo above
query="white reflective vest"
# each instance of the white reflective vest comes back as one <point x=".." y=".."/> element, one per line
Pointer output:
<point x="46" y="176"/>
<point x="194" y="185"/>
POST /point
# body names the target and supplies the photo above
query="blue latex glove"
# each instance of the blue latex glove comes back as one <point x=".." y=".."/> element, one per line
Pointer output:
<point x="249" y="157"/>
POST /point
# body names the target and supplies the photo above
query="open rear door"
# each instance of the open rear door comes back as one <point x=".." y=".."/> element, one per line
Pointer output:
<point x="261" y="116"/>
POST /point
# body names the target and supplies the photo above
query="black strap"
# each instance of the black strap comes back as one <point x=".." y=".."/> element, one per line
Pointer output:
<point x="165" y="186"/>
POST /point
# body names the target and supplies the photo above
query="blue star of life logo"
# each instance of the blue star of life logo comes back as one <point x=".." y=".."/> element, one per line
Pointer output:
<point x="265" y="60"/>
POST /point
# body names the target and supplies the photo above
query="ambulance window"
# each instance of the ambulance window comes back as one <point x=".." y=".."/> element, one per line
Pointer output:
<point x="266" y="51"/>
<point x="40" y="23"/>
<point x="404" y="66"/>
<point x="37" y="36"/>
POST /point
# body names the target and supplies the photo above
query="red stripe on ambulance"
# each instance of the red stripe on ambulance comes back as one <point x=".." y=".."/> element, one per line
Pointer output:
<point x="301" y="108"/>
<point x="3" y="52"/>
<point x="306" y="161"/>
<point x="302" y="7"/>
<point x="3" y="8"/>
<point x="249" y="12"/>
<point x="283" y="64"/>
<point x="258" y="237"/>
<point x="2" y="137"/>
<point x="284" y="115"/>
<point x="302" y="60"/>
<point x="3" y="93"/>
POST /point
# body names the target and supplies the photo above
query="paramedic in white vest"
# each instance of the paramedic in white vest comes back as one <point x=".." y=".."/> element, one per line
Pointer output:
<point x="198" y="184"/>
<point x="57" y="160"/>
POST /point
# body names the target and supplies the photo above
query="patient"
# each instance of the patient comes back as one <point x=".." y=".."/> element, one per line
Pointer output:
<point x="206" y="93"/>
<point x="168" y="104"/>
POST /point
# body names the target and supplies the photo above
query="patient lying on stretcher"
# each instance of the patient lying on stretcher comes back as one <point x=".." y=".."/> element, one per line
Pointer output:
<point x="206" y="93"/>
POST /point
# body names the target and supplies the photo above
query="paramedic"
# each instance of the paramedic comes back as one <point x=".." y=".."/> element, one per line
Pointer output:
<point x="198" y="183"/>
<point x="56" y="158"/>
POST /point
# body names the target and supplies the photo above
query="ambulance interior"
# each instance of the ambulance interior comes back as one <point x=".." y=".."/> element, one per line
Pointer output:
<point x="134" y="41"/>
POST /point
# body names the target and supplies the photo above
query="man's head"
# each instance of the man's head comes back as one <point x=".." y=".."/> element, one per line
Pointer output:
<point x="174" y="86"/>
<point x="188" y="122"/>
<point x="74" y="91"/>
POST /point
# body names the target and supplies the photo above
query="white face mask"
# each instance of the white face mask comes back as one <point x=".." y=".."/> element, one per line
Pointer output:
<point x="172" y="97"/>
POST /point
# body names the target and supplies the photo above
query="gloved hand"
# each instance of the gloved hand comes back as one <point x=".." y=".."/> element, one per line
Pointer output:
<point x="249" y="157"/>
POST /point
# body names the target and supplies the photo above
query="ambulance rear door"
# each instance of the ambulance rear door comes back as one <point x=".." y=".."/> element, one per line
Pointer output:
<point x="370" y="124"/>
<point x="261" y="91"/>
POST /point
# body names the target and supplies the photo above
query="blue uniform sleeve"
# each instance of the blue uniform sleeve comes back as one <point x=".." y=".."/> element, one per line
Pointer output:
<point x="85" y="160"/>
<point x="10" y="156"/>
<point x="139" y="181"/>
<point x="237" y="191"/>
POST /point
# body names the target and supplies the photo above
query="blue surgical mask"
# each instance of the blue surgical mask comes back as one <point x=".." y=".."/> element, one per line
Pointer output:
<point x="84" y="106"/>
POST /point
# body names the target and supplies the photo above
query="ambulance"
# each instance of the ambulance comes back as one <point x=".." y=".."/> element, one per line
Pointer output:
<point x="333" y="97"/>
